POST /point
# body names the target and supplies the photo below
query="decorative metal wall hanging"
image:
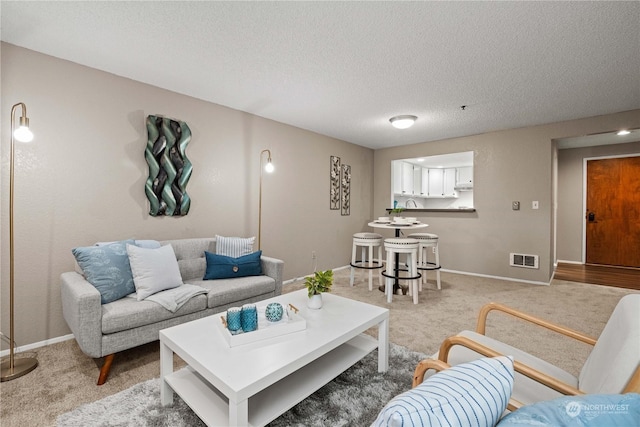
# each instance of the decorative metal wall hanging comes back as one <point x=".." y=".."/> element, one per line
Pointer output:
<point x="334" y="183"/>
<point x="346" y="190"/>
<point x="169" y="167"/>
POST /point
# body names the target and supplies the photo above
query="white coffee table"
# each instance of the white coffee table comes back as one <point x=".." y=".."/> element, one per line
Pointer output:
<point x="252" y="384"/>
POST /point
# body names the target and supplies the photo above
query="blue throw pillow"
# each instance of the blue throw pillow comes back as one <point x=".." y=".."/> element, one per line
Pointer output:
<point x="107" y="268"/>
<point x="591" y="410"/>
<point x="224" y="267"/>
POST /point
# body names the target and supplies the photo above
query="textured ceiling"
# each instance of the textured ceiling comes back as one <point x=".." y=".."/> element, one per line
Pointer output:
<point x="344" y="68"/>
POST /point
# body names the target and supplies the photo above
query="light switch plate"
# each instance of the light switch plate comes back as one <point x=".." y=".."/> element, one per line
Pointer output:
<point x="515" y="206"/>
<point x="534" y="204"/>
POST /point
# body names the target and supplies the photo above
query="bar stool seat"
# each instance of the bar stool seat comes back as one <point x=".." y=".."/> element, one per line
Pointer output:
<point x="367" y="242"/>
<point x="401" y="246"/>
<point x="428" y="241"/>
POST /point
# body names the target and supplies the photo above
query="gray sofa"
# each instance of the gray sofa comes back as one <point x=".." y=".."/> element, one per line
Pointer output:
<point x="103" y="330"/>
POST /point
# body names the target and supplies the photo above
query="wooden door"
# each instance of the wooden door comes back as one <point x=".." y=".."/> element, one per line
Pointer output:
<point x="613" y="212"/>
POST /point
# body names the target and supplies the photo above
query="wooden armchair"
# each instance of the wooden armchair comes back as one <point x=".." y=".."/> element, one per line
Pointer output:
<point x="612" y="367"/>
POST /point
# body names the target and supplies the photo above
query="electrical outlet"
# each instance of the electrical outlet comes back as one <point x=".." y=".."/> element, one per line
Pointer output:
<point x="313" y="255"/>
<point x="515" y="206"/>
<point x="534" y="204"/>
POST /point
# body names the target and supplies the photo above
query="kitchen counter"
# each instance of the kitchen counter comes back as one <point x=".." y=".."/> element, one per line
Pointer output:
<point x="433" y="210"/>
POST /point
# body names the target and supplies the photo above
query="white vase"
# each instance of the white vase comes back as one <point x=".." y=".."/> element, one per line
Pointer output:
<point x="315" y="302"/>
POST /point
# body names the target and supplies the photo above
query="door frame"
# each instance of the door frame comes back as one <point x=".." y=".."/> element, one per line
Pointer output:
<point x="584" y="196"/>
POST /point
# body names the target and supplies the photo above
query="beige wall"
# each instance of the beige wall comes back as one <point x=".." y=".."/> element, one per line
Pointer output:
<point x="510" y="165"/>
<point x="571" y="195"/>
<point x="82" y="180"/>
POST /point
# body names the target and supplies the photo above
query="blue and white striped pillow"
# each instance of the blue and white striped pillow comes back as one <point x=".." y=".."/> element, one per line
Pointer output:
<point x="470" y="394"/>
<point x="234" y="246"/>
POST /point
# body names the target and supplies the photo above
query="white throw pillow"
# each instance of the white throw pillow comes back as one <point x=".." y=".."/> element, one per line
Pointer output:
<point x="234" y="247"/>
<point x="473" y="394"/>
<point x="154" y="270"/>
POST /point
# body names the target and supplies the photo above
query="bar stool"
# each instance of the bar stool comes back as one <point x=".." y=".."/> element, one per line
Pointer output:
<point x="427" y="241"/>
<point x="395" y="247"/>
<point x="367" y="241"/>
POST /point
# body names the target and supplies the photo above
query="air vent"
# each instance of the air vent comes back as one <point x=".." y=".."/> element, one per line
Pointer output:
<point x="523" y="260"/>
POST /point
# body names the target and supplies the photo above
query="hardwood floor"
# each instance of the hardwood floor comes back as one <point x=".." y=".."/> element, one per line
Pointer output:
<point x="599" y="274"/>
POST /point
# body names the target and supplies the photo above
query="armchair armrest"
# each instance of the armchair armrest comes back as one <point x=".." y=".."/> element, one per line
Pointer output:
<point x="273" y="268"/>
<point x="487" y="308"/>
<point x="82" y="311"/>
<point x="520" y="367"/>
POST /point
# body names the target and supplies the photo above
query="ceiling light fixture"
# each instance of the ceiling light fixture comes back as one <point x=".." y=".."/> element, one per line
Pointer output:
<point x="623" y="132"/>
<point x="403" y="122"/>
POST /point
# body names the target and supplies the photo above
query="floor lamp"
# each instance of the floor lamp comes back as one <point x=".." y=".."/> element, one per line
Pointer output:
<point x="12" y="368"/>
<point x="267" y="168"/>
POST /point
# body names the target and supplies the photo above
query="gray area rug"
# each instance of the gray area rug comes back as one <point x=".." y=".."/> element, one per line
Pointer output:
<point x="352" y="399"/>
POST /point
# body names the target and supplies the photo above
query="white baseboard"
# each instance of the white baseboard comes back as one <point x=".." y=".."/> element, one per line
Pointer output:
<point x="569" y="262"/>
<point x="466" y="273"/>
<point x="39" y="344"/>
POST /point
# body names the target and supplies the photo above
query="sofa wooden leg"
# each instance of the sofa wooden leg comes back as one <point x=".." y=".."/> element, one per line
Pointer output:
<point x="106" y="367"/>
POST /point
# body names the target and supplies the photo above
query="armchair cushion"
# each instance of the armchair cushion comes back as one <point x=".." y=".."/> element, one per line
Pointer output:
<point x="616" y="352"/>
<point x="470" y="394"/>
<point x="593" y="410"/>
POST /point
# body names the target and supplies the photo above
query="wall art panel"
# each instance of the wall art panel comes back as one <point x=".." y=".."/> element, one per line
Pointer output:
<point x="169" y="167"/>
<point x="346" y="190"/>
<point x="334" y="183"/>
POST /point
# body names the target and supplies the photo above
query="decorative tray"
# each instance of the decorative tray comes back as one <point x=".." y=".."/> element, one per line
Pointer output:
<point x="291" y="322"/>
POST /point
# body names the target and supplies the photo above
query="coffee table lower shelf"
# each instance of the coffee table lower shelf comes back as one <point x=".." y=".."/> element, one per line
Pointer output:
<point x="265" y="406"/>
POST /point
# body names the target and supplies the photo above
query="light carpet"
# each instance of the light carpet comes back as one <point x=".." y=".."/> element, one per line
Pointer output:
<point x="354" y="398"/>
<point x="66" y="378"/>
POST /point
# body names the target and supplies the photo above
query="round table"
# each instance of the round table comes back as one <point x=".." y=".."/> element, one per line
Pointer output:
<point x="398" y="228"/>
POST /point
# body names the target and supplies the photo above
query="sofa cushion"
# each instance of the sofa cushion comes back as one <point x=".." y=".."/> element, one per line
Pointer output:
<point x="224" y="267"/>
<point x="190" y="255"/>
<point x="592" y="410"/>
<point x="234" y="246"/>
<point x="154" y="270"/>
<point x="129" y="313"/>
<point x="229" y="291"/>
<point x="470" y="394"/>
<point x="107" y="268"/>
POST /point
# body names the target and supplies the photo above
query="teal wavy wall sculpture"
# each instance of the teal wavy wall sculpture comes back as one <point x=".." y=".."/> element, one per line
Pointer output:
<point x="169" y="167"/>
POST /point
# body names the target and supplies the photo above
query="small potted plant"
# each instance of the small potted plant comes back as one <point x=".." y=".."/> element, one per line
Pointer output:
<point x="320" y="282"/>
<point x="396" y="212"/>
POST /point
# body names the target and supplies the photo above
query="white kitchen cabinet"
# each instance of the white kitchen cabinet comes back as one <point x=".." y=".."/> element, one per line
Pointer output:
<point x="417" y="181"/>
<point x="397" y="177"/>
<point x="424" y="187"/>
<point x="442" y="183"/>
<point x="407" y="179"/>
<point x="465" y="177"/>
<point x="436" y="182"/>
<point x="449" y="184"/>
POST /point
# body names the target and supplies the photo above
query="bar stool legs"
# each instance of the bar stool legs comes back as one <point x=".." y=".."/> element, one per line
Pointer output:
<point x="367" y="242"/>
<point x="394" y="248"/>
<point x="428" y="242"/>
